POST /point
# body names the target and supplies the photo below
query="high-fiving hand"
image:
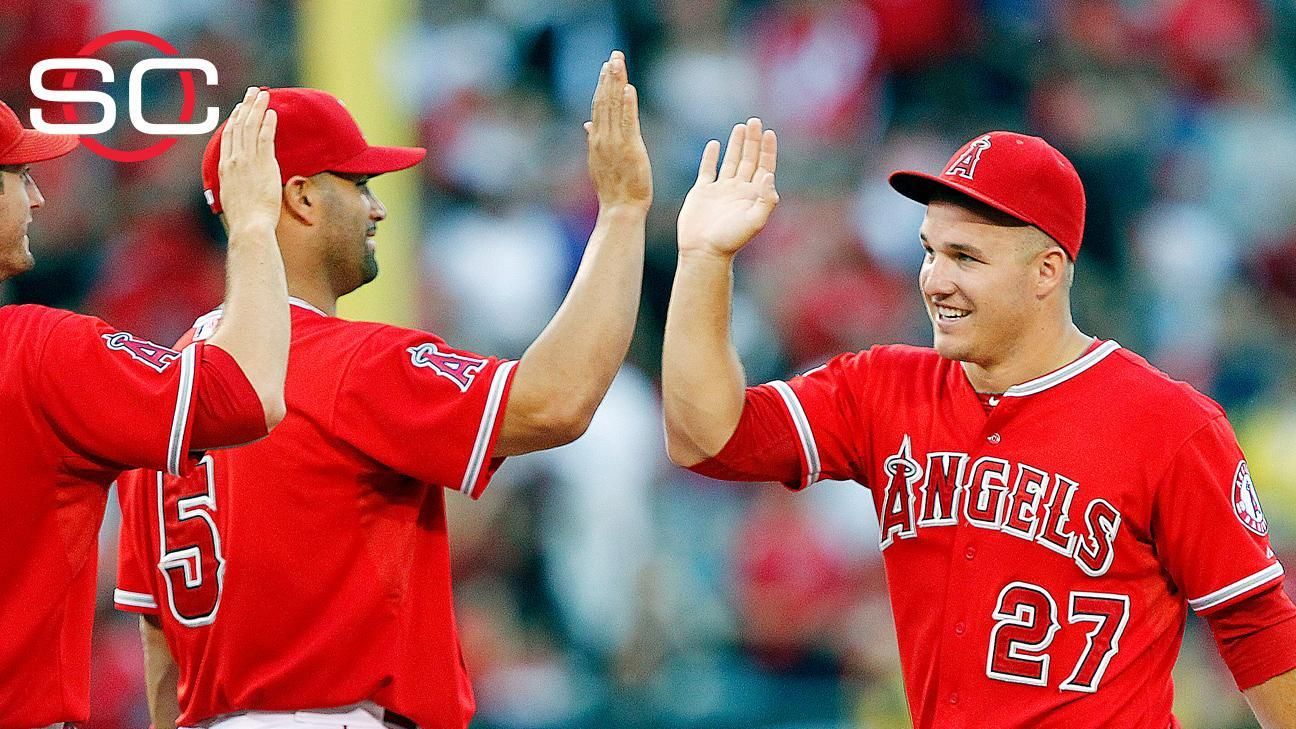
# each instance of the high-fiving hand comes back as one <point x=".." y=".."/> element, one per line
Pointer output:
<point x="618" y="160"/>
<point x="723" y="212"/>
<point x="250" y="186"/>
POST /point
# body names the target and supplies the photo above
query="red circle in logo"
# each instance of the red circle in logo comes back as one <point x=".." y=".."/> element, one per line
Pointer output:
<point x="186" y="85"/>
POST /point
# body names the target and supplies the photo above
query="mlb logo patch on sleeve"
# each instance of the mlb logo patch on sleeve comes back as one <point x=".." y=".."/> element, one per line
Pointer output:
<point x="1246" y="504"/>
<point x="459" y="369"/>
<point x="142" y="350"/>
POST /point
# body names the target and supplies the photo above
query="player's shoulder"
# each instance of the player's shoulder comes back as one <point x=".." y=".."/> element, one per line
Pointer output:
<point x="14" y="316"/>
<point x="1137" y="381"/>
<point x="376" y="334"/>
<point x="367" y="344"/>
<point x="888" y="365"/>
<point x="35" y="327"/>
<point x="885" y="359"/>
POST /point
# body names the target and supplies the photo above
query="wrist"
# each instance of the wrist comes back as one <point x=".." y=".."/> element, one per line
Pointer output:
<point x="705" y="256"/>
<point x="624" y="211"/>
<point x="252" y="230"/>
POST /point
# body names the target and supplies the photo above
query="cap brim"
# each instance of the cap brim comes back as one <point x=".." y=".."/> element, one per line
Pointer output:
<point x="922" y="187"/>
<point x="380" y="160"/>
<point x="34" y="146"/>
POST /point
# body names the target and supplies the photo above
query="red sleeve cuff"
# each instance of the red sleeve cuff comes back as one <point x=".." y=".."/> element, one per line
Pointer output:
<point x="227" y="410"/>
<point x="764" y="446"/>
<point x="179" y="458"/>
<point x="482" y="463"/>
<point x="135" y="602"/>
<point x="1257" y="637"/>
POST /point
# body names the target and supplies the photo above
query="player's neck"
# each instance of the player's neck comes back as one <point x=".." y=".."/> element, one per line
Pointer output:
<point x="317" y="295"/>
<point x="1030" y="361"/>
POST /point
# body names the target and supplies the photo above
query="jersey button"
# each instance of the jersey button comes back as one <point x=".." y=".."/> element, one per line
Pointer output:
<point x="959" y="628"/>
<point x="993" y="438"/>
<point x="970" y="553"/>
<point x="953" y="698"/>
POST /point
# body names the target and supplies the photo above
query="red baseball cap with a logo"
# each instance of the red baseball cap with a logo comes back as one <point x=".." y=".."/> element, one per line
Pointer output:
<point x="1016" y="174"/>
<point x="20" y="146"/>
<point x="315" y="134"/>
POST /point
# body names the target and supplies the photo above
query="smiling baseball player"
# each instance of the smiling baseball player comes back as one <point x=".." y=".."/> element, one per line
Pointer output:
<point x="1050" y="505"/>
<point x="83" y="401"/>
<point x="306" y="578"/>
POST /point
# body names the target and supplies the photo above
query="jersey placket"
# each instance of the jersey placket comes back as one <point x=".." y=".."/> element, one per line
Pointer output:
<point x="960" y="599"/>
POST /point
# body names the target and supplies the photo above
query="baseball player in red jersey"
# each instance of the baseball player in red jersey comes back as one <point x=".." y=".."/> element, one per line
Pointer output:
<point x="307" y="577"/>
<point x="83" y="401"/>
<point x="1050" y="505"/>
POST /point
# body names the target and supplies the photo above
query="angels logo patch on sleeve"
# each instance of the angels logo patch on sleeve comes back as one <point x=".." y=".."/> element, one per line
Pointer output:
<point x="142" y="350"/>
<point x="458" y="368"/>
<point x="1246" y="504"/>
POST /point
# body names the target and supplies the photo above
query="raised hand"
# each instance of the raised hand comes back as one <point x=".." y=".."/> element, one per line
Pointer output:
<point x="250" y="186"/>
<point x="724" y="211"/>
<point x="618" y="160"/>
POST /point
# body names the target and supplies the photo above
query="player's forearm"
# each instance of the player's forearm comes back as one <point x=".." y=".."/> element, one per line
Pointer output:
<point x="702" y="378"/>
<point x="566" y="372"/>
<point x="161" y="675"/>
<point x="254" y="328"/>
<point x="1274" y="701"/>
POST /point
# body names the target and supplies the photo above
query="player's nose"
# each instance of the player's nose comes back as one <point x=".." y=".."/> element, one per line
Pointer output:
<point x="377" y="211"/>
<point x="934" y="279"/>
<point x="34" y="197"/>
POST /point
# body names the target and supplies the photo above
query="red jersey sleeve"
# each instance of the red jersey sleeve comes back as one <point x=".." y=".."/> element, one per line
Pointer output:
<point x="422" y="408"/>
<point x="116" y="398"/>
<point x="799" y="431"/>
<point x="227" y="409"/>
<point x="1207" y="523"/>
<point x="136" y="554"/>
<point x="1257" y="636"/>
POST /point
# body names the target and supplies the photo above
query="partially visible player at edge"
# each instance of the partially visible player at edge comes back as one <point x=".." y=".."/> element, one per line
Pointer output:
<point x="330" y="593"/>
<point x="1050" y="505"/>
<point x="83" y="401"/>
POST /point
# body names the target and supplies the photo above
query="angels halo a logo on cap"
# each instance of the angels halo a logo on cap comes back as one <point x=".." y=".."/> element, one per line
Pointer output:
<point x="966" y="164"/>
<point x="1246" y="503"/>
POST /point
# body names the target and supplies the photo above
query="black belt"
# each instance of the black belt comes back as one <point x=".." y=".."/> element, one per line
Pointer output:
<point x="400" y="721"/>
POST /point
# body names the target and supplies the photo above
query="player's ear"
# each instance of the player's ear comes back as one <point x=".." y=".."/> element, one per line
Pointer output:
<point x="1051" y="267"/>
<point x="299" y="201"/>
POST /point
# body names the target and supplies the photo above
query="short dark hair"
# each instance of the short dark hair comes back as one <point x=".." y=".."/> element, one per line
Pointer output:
<point x="995" y="215"/>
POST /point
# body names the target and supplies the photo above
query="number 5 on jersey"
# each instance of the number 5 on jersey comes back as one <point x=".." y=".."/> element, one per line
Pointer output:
<point x="191" y="561"/>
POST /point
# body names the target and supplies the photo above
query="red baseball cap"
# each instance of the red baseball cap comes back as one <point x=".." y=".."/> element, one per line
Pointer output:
<point x="20" y="146"/>
<point x="1016" y="174"/>
<point x="315" y="134"/>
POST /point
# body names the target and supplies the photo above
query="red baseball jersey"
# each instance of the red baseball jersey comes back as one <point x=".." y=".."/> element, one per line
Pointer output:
<point x="82" y="401"/>
<point x="1042" y="547"/>
<point x="312" y="569"/>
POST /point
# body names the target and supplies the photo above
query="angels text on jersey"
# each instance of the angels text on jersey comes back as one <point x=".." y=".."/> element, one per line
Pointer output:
<point x="1015" y="498"/>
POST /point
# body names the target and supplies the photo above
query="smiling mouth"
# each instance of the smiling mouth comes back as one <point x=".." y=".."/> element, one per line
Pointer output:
<point x="947" y="313"/>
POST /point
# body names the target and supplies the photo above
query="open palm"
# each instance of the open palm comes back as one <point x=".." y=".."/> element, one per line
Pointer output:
<point x="724" y="211"/>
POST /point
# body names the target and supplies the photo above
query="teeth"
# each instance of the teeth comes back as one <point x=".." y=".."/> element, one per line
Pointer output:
<point x="947" y="313"/>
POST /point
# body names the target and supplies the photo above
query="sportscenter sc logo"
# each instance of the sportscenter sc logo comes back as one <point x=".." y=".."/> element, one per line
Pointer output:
<point x="70" y="97"/>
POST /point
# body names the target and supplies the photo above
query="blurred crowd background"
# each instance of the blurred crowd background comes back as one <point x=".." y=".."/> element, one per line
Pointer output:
<point x="597" y="585"/>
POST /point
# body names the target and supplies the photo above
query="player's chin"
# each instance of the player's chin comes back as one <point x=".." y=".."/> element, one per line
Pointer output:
<point x="951" y="346"/>
<point x="16" y="260"/>
<point x="368" y="268"/>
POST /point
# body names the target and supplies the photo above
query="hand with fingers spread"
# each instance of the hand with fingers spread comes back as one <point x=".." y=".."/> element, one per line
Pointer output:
<point x="724" y="211"/>
<point x="618" y="160"/>
<point x="249" y="173"/>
